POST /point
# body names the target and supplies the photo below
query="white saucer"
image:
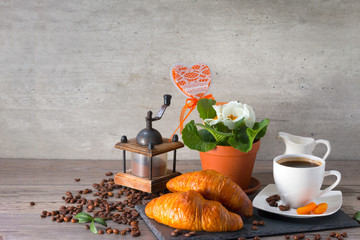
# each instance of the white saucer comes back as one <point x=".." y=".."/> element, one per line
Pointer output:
<point x="332" y="198"/>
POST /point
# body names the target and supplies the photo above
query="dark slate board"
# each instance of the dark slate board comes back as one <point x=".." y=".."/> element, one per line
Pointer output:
<point x="274" y="225"/>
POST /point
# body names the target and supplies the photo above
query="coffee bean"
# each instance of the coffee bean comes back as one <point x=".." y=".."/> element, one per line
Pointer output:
<point x="301" y="236"/>
<point x="358" y="198"/>
<point x="192" y="233"/>
<point x="116" y="231"/>
<point x="174" y="234"/>
<point x="108" y="174"/>
<point x="73" y="220"/>
<point x="317" y="236"/>
<point x="287" y="207"/>
<point x="282" y="208"/>
<point x="101" y="232"/>
<point x="32" y="203"/>
<point x="332" y="234"/>
<point x="295" y="237"/>
<point x="255" y="223"/>
<point x="287" y="236"/>
<point x="241" y="238"/>
<point x="109" y="231"/>
<point x="344" y="234"/>
<point x="328" y="238"/>
<point x="122" y="232"/>
<point x="128" y="229"/>
<point x="87" y="226"/>
<point x="254" y="228"/>
<point x="187" y="235"/>
<point x="261" y="223"/>
<point x="77" y="179"/>
<point x="178" y="230"/>
<point x="256" y="238"/>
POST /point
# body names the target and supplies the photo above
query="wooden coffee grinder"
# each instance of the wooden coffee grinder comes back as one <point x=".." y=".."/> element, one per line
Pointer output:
<point x="149" y="172"/>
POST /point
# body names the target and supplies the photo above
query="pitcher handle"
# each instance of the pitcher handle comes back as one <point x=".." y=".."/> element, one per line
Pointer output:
<point x="332" y="186"/>
<point x="327" y="143"/>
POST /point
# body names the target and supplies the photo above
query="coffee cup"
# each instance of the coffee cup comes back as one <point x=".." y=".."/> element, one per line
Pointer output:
<point x="299" y="177"/>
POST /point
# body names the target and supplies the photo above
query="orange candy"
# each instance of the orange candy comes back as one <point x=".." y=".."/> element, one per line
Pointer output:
<point x="306" y="209"/>
<point x="320" y="209"/>
<point x="312" y="208"/>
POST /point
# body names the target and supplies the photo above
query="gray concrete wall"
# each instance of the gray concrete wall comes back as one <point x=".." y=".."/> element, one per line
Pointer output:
<point x="76" y="75"/>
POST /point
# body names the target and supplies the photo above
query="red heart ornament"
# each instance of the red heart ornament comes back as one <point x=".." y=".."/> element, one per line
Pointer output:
<point x="193" y="82"/>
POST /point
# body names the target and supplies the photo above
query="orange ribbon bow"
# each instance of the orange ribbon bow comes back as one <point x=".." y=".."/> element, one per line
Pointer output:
<point x="190" y="104"/>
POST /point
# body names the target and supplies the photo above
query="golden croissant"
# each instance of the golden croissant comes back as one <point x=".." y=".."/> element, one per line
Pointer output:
<point x="190" y="211"/>
<point x="214" y="186"/>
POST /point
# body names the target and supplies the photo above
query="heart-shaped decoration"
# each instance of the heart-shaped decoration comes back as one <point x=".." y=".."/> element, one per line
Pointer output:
<point x="193" y="82"/>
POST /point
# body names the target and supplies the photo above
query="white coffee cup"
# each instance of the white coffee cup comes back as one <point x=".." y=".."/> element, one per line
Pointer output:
<point x="298" y="186"/>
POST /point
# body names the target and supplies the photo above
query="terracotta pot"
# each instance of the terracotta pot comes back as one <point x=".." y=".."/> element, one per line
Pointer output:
<point x="231" y="162"/>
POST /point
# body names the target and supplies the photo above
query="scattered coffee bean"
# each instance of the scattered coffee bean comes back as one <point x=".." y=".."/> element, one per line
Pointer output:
<point x="255" y="223"/>
<point x="261" y="223"/>
<point x="192" y="233"/>
<point x="301" y="236"/>
<point x="116" y="231"/>
<point x="256" y="238"/>
<point x="282" y="208"/>
<point x="241" y="238"/>
<point x="122" y="232"/>
<point x="187" y="235"/>
<point x="108" y="174"/>
<point x="174" y="234"/>
<point x="358" y="198"/>
<point x="332" y="234"/>
<point x="87" y="226"/>
<point x="295" y="237"/>
<point x="73" y="220"/>
<point x="109" y="231"/>
<point x="101" y="232"/>
<point x="287" y="237"/>
<point x="178" y="231"/>
<point x="317" y="236"/>
<point x="344" y="234"/>
<point x="32" y="203"/>
<point x="254" y="227"/>
<point x="77" y="179"/>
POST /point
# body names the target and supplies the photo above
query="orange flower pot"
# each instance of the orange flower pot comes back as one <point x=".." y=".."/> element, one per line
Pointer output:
<point x="231" y="162"/>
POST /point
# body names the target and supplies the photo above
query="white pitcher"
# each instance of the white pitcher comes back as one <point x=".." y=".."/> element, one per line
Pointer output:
<point x="302" y="145"/>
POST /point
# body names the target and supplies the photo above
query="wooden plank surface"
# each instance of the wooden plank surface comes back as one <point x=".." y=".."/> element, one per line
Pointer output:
<point x="46" y="181"/>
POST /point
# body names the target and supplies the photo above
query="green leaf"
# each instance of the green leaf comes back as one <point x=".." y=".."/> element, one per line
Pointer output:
<point x="206" y="136"/>
<point x="92" y="227"/>
<point x="357" y="216"/>
<point x="100" y="221"/>
<point x="244" y="137"/>
<point x="220" y="137"/>
<point x="205" y="109"/>
<point x="84" y="217"/>
<point x="193" y="140"/>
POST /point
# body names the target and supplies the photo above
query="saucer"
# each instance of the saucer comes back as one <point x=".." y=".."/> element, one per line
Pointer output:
<point x="332" y="198"/>
<point x="253" y="187"/>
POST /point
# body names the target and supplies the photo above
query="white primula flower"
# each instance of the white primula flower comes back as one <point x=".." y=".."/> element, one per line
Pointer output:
<point x="249" y="116"/>
<point x="232" y="112"/>
<point x="218" y="118"/>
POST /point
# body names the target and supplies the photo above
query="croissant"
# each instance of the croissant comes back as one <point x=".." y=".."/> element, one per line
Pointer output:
<point x="190" y="211"/>
<point x="214" y="186"/>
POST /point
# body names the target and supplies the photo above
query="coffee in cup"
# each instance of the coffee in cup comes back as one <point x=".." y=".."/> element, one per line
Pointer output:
<point x="298" y="178"/>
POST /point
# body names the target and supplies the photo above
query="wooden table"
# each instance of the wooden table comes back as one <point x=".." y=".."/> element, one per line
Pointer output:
<point x="46" y="181"/>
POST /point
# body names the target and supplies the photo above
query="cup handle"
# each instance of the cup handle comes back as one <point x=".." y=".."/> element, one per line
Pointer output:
<point x="328" y="189"/>
<point x="327" y="143"/>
